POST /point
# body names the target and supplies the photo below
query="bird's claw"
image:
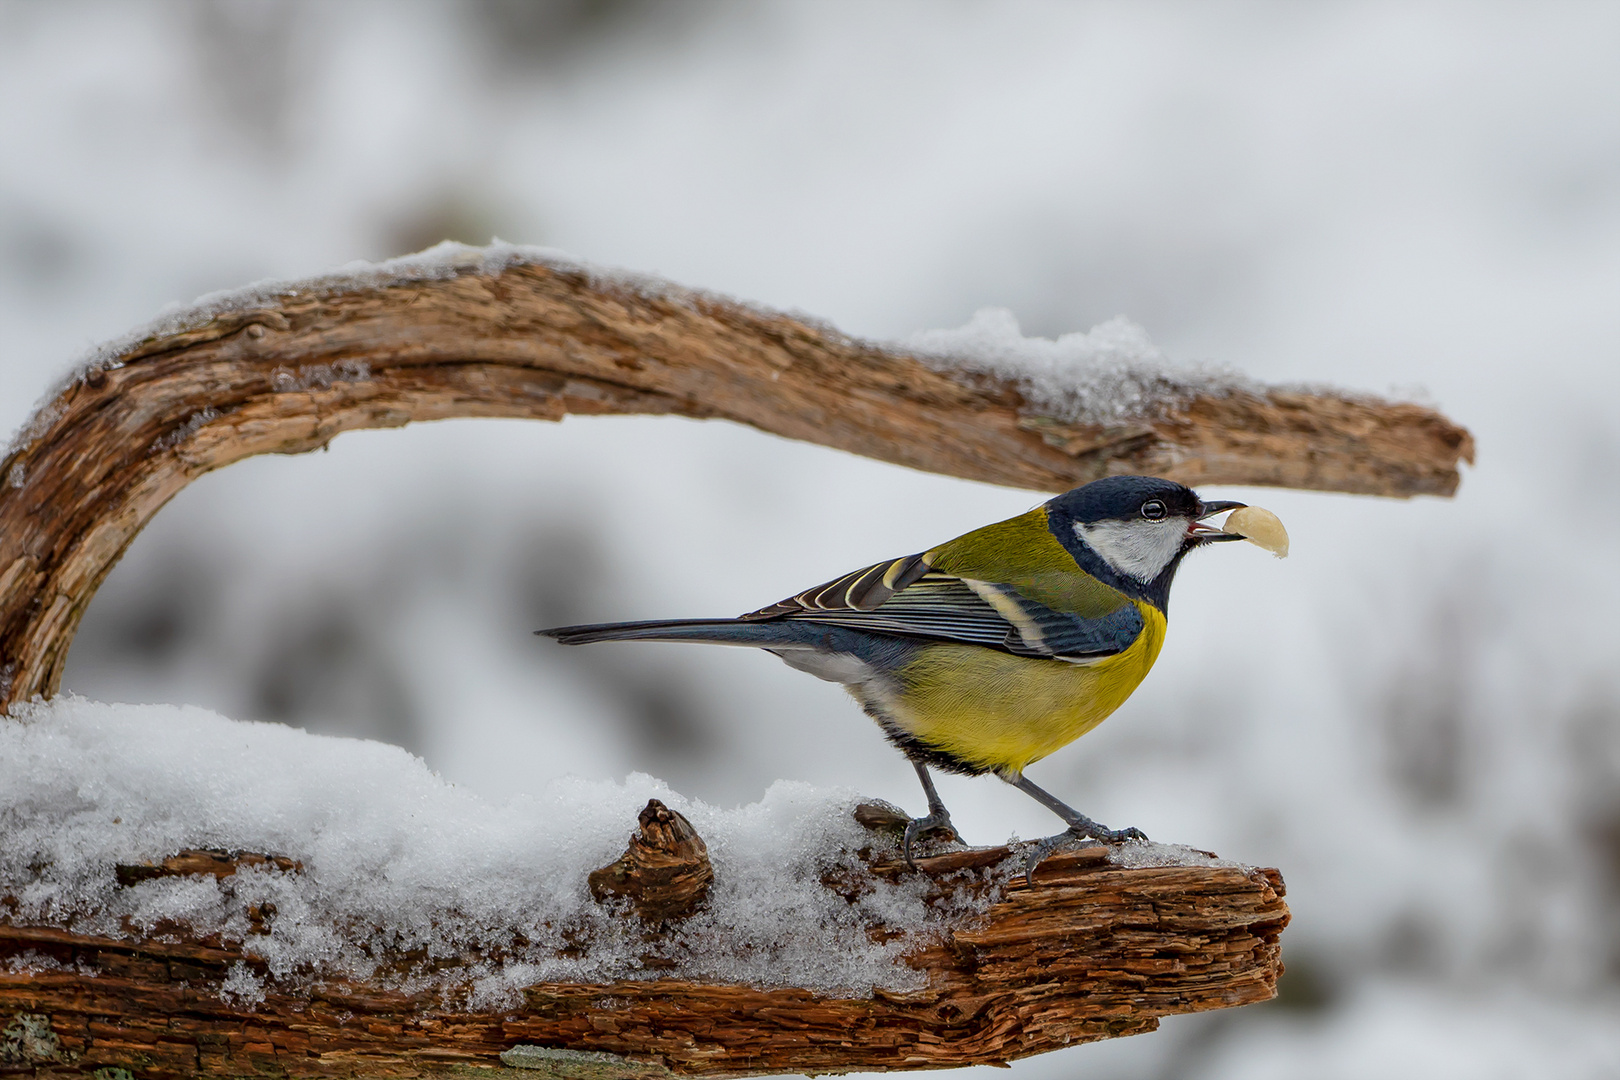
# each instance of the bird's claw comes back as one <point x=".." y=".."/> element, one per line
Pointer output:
<point x="939" y="821"/>
<point x="1043" y="848"/>
<point x="1090" y="831"/>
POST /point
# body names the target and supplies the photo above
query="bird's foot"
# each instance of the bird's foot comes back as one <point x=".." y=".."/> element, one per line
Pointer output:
<point x="1086" y="830"/>
<point x="937" y="822"/>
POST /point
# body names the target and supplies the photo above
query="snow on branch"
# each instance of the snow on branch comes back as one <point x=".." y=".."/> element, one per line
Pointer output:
<point x="520" y="332"/>
<point x="183" y="895"/>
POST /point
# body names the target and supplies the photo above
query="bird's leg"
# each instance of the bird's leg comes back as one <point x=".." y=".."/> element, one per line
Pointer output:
<point x="938" y="817"/>
<point x="1080" y="826"/>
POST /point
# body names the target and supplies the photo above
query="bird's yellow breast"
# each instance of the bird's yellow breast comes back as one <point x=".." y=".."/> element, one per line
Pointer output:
<point x="1001" y="712"/>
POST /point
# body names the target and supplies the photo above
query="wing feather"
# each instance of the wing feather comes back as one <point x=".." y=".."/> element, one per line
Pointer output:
<point x="862" y="590"/>
<point x="905" y="598"/>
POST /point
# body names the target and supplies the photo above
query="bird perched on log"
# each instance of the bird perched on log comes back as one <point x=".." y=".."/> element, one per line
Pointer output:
<point x="993" y="650"/>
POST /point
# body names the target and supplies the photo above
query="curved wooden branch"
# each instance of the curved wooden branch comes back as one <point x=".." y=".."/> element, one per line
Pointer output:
<point x="283" y="371"/>
<point x="1090" y="952"/>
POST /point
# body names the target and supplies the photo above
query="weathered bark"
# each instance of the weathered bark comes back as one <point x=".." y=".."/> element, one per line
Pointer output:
<point x="212" y="861"/>
<point x="1090" y="952"/>
<point x="539" y="340"/>
<point x="665" y="872"/>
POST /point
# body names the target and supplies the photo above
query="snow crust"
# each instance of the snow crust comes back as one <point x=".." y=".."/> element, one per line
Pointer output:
<point x="1139" y="854"/>
<point x="1108" y="374"/>
<point x="394" y="858"/>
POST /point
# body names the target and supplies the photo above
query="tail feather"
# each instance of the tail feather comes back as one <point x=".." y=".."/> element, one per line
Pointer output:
<point x="710" y="631"/>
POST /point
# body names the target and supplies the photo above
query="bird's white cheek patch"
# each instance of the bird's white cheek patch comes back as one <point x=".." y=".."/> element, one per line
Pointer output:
<point x="1137" y="549"/>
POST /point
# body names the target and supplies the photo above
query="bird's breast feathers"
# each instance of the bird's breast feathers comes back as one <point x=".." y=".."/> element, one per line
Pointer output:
<point x="993" y="711"/>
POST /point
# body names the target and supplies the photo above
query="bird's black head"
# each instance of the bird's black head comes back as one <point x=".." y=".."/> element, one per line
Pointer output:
<point x="1132" y="531"/>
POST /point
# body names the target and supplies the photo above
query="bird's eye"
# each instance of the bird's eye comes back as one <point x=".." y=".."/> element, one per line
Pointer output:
<point x="1153" y="509"/>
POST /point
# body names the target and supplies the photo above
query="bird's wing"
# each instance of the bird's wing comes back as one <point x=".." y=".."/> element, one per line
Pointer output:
<point x="865" y="589"/>
<point x="906" y="598"/>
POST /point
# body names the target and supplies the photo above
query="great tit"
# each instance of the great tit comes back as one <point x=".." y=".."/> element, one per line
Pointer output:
<point x="990" y="651"/>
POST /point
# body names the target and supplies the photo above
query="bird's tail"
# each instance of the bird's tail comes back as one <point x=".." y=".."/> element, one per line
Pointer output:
<point x="709" y="631"/>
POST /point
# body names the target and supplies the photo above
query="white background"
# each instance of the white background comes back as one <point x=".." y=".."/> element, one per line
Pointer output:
<point x="1416" y="717"/>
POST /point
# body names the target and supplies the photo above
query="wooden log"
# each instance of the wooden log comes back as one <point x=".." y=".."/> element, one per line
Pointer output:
<point x="1091" y="951"/>
<point x="285" y="371"/>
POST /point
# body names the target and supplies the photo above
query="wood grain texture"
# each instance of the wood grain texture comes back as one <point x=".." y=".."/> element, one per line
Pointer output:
<point x="665" y="873"/>
<point x="543" y="341"/>
<point x="1092" y="951"/>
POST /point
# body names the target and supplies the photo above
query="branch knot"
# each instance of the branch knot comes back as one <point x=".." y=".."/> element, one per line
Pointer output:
<point x="664" y="873"/>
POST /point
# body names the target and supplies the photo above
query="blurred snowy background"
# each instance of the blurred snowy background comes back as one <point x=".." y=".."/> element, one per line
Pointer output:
<point x="1417" y="717"/>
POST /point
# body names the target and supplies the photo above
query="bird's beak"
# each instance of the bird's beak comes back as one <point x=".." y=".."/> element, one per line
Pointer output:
<point x="1209" y="533"/>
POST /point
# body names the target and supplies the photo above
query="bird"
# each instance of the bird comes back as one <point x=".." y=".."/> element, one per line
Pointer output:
<point x="995" y="649"/>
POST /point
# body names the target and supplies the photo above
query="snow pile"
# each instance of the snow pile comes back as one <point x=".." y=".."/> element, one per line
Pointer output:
<point x="393" y="858"/>
<point x="1105" y="375"/>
